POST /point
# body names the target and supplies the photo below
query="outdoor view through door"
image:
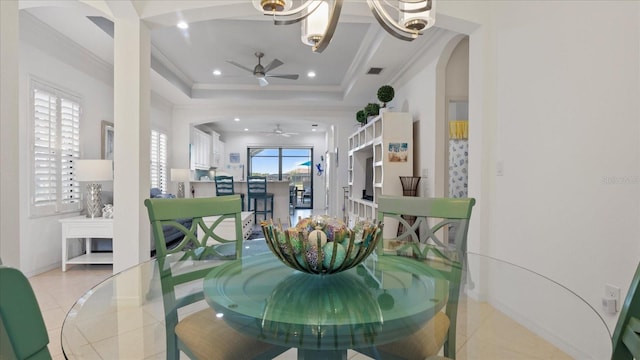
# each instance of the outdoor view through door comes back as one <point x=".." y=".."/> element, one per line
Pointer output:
<point x="294" y="165"/>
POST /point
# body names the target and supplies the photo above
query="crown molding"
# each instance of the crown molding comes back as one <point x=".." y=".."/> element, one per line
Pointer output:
<point x="47" y="39"/>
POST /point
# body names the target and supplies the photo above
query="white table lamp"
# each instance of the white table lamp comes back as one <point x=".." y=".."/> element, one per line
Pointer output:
<point x="180" y="176"/>
<point x="93" y="171"/>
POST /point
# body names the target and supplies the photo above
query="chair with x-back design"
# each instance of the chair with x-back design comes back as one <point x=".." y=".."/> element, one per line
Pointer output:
<point x="214" y="237"/>
<point x="438" y="238"/>
<point x="626" y="337"/>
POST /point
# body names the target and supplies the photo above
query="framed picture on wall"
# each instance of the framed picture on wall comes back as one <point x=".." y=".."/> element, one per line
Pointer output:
<point x="107" y="140"/>
<point x="398" y="152"/>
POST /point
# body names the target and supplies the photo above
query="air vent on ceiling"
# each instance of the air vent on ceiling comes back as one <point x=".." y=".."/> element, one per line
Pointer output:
<point x="374" y="71"/>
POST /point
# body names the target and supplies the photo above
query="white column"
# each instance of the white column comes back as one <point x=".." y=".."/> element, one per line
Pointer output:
<point x="9" y="135"/>
<point x="131" y="142"/>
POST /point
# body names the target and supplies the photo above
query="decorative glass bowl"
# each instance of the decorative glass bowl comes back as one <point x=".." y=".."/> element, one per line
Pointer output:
<point x="322" y="244"/>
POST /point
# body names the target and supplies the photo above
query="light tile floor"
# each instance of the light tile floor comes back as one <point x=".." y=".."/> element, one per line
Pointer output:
<point x="483" y="332"/>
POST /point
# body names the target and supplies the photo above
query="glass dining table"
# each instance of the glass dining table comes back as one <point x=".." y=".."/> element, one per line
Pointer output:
<point x="380" y="301"/>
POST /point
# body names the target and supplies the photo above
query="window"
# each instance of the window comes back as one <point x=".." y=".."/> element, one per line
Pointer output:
<point x="287" y="164"/>
<point x="55" y="146"/>
<point x="159" y="160"/>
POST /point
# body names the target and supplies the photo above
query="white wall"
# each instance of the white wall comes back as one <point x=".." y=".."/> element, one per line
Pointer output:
<point x="161" y="115"/>
<point x="417" y="96"/>
<point x="568" y="122"/>
<point x="40" y="242"/>
<point x="553" y="95"/>
<point x="40" y="236"/>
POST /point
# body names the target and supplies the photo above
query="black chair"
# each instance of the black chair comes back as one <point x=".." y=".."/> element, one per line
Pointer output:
<point x="293" y="199"/>
<point x="257" y="190"/>
<point x="224" y="186"/>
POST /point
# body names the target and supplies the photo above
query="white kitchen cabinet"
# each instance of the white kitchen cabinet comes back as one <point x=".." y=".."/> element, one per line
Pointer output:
<point x="200" y="149"/>
<point x="217" y="150"/>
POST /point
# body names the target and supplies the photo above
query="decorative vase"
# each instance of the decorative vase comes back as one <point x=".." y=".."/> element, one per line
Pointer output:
<point x="107" y="211"/>
<point x="322" y="244"/>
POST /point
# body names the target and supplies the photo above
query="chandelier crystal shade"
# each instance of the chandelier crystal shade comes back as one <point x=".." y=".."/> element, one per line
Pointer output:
<point x="313" y="27"/>
<point x="404" y="19"/>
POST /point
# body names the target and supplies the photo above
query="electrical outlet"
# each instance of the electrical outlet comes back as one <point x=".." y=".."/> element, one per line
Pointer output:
<point x="500" y="168"/>
<point x="612" y="292"/>
<point x="611" y="299"/>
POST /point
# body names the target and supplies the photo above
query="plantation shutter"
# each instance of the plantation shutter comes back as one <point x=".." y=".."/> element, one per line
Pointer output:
<point x="69" y="151"/>
<point x="44" y="149"/>
<point x="56" y="145"/>
<point x="159" y="172"/>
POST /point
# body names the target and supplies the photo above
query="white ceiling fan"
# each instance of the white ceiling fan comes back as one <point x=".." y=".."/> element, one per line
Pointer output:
<point x="279" y="132"/>
<point x="262" y="72"/>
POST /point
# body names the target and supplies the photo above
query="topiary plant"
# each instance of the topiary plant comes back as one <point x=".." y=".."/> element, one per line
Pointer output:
<point x="372" y="109"/>
<point x="361" y="116"/>
<point x="385" y="94"/>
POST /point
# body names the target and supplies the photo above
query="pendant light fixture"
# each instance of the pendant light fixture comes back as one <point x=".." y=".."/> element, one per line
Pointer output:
<point x="320" y="17"/>
<point x="313" y="27"/>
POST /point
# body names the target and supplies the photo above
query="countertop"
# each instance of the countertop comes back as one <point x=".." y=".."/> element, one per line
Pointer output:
<point x="235" y="181"/>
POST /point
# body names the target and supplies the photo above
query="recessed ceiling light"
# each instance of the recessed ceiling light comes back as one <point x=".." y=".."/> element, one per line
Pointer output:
<point x="236" y="119"/>
<point x="182" y="25"/>
<point x="311" y="74"/>
<point x="314" y="129"/>
<point x="217" y="72"/>
<point x="245" y="129"/>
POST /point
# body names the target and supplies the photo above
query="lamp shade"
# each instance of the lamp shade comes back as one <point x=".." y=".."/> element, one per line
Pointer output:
<point x="94" y="170"/>
<point x="180" y="175"/>
<point x="315" y="25"/>
<point x="417" y="20"/>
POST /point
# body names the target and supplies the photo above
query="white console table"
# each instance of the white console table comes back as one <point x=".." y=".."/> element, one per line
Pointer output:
<point x="82" y="227"/>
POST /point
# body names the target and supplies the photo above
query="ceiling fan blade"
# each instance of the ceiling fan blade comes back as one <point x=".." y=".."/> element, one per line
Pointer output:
<point x="286" y="76"/>
<point x="272" y="65"/>
<point x="263" y="81"/>
<point x="240" y="66"/>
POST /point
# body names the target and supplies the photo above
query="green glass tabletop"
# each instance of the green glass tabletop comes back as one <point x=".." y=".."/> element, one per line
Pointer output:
<point x="380" y="301"/>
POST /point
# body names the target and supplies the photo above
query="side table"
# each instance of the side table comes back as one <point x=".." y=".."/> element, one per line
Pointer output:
<point x="82" y="227"/>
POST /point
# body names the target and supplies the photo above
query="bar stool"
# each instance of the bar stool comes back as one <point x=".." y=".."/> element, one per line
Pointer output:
<point x="257" y="190"/>
<point x="224" y="186"/>
<point x="293" y="199"/>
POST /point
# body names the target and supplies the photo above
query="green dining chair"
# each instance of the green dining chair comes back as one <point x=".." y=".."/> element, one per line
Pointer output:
<point x="434" y="231"/>
<point x="626" y="337"/>
<point x="23" y="334"/>
<point x="206" y="244"/>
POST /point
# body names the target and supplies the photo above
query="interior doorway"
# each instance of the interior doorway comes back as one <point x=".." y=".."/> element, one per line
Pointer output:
<point x="457" y="119"/>
<point x="453" y="122"/>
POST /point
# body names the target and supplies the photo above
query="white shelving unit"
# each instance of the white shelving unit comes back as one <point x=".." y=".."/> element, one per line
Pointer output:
<point x="379" y="153"/>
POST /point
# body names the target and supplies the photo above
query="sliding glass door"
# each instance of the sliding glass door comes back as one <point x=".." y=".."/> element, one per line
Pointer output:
<point x="294" y="165"/>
